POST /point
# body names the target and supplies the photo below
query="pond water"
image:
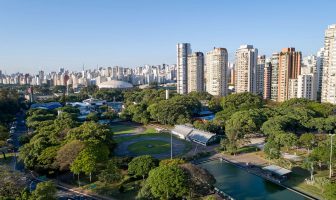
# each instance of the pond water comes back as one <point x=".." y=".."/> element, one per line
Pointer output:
<point x="241" y="184"/>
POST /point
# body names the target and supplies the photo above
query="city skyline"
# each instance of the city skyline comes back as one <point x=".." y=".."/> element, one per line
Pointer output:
<point x="46" y="36"/>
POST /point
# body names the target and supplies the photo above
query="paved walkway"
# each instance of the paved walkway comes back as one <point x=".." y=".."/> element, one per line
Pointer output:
<point x="122" y="148"/>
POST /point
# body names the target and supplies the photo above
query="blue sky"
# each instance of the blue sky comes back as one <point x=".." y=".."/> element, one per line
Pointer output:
<point x="48" y="34"/>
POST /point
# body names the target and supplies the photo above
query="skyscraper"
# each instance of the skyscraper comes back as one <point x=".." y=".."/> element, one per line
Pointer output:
<point x="260" y="74"/>
<point x="289" y="68"/>
<point x="274" y="76"/>
<point x="319" y="72"/>
<point x="246" y="64"/>
<point x="195" y="72"/>
<point x="329" y="66"/>
<point x="217" y="66"/>
<point x="267" y="79"/>
<point x="183" y="50"/>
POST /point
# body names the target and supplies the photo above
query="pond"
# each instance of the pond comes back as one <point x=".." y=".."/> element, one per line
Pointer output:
<point x="241" y="184"/>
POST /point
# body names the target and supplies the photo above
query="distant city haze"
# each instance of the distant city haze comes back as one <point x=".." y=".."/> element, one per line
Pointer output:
<point x="46" y="35"/>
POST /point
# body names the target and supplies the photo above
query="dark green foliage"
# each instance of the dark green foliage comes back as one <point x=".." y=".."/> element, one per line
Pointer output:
<point x="111" y="173"/>
<point x="168" y="182"/>
<point x="11" y="183"/>
<point x="141" y="165"/>
<point x="272" y="150"/>
<point x="109" y="94"/>
<point x="44" y="191"/>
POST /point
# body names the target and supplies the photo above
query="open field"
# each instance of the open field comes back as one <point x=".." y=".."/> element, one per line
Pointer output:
<point x="149" y="147"/>
<point x="123" y="129"/>
<point x="149" y="141"/>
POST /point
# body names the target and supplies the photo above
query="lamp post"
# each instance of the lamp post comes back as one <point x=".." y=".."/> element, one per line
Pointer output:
<point x="331" y="148"/>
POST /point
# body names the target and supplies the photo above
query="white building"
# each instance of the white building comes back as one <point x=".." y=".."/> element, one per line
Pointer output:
<point x="216" y="71"/>
<point x="183" y="50"/>
<point x="329" y="66"/>
<point x="246" y="64"/>
<point x="307" y="86"/>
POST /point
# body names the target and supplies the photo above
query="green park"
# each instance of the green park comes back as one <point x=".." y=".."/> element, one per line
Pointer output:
<point x="130" y="157"/>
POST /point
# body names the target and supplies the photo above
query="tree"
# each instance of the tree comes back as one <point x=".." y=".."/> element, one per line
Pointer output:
<point x="168" y="182"/>
<point x="241" y="101"/>
<point x="44" y="191"/>
<point x="201" y="95"/>
<point x="88" y="159"/>
<point x="92" y="117"/>
<point x="175" y="161"/>
<point x="110" y="115"/>
<point x="200" y="180"/>
<point x="286" y="139"/>
<point x="307" y="140"/>
<point x="272" y="150"/>
<point x="240" y="124"/>
<point x="47" y="158"/>
<point x="92" y="132"/>
<point x="141" y="165"/>
<point x="111" y="173"/>
<point x="68" y="153"/>
<point x="11" y="184"/>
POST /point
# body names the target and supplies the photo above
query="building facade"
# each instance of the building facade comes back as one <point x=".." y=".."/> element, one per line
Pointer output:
<point x="274" y="76"/>
<point x="260" y="75"/>
<point x="245" y="66"/>
<point x="329" y="66"/>
<point x="195" y="72"/>
<point x="289" y="68"/>
<point x="267" y="79"/>
<point x="183" y="50"/>
<point x="216" y="71"/>
<point x="307" y="86"/>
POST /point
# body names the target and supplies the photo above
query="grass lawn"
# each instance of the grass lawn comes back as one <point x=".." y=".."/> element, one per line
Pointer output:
<point x="123" y="129"/>
<point x="8" y="160"/>
<point x="149" y="147"/>
<point x="247" y="149"/>
<point x="130" y="189"/>
<point x="149" y="132"/>
<point x="297" y="181"/>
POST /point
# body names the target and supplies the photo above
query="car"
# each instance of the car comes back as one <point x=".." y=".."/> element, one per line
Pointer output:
<point x="11" y="131"/>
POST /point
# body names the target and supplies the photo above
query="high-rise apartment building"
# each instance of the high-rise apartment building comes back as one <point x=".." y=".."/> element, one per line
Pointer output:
<point x="274" y="76"/>
<point x="307" y="86"/>
<point x="195" y="72"/>
<point x="217" y="66"/>
<point x="289" y="68"/>
<point x="183" y="50"/>
<point x="260" y="74"/>
<point x="319" y="72"/>
<point x="245" y="66"/>
<point x="329" y="66"/>
<point x="267" y="79"/>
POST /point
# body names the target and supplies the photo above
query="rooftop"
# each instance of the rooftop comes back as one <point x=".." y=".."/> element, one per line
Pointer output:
<point x="277" y="170"/>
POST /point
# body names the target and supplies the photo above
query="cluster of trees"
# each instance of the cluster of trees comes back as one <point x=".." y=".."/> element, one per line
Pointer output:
<point x="245" y="114"/>
<point x="170" y="179"/>
<point x="61" y="143"/>
<point x="10" y="104"/>
<point x="146" y="105"/>
<point x="14" y="186"/>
